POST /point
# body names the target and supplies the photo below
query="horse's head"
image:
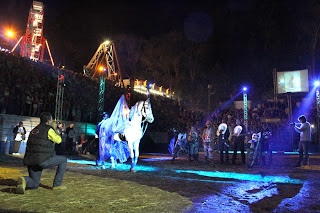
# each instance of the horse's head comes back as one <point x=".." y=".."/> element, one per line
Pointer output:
<point x="146" y="110"/>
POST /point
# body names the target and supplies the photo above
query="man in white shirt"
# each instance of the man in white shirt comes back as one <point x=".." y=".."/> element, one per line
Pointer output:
<point x="19" y="136"/>
<point x="304" y="128"/>
<point x="180" y="144"/>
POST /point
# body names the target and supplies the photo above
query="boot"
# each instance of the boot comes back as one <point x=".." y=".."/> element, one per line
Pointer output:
<point x="206" y="160"/>
<point x="196" y="157"/>
<point x="190" y="158"/>
<point x="263" y="160"/>
<point x="227" y="160"/>
<point x="172" y="161"/>
<point x="221" y="157"/>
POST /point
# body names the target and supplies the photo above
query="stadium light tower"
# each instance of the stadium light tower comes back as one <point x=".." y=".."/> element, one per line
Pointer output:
<point x="245" y="106"/>
<point x="317" y="85"/>
<point x="10" y="34"/>
<point x="101" y="91"/>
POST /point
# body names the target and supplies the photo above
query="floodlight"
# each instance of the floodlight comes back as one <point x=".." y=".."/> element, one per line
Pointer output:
<point x="10" y="34"/>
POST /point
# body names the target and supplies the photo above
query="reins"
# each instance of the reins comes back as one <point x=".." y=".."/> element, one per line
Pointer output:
<point x="144" y="125"/>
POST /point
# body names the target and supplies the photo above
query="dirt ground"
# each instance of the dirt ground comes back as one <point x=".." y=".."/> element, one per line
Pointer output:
<point x="160" y="186"/>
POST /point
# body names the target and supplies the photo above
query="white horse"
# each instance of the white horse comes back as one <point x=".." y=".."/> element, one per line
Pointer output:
<point x="140" y="114"/>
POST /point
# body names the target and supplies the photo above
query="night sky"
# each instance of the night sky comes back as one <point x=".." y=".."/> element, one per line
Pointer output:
<point x="244" y="38"/>
<point x="85" y="24"/>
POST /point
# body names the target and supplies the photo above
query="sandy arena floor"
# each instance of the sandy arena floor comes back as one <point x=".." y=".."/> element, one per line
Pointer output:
<point x="160" y="186"/>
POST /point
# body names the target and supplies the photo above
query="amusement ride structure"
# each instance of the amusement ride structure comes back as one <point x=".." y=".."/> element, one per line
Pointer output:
<point x="104" y="63"/>
<point x="33" y="43"/>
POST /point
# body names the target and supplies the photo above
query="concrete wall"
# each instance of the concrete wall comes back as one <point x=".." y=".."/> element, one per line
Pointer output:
<point x="8" y="122"/>
<point x="151" y="141"/>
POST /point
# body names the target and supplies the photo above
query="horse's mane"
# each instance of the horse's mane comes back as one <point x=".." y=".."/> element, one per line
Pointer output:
<point x="136" y="109"/>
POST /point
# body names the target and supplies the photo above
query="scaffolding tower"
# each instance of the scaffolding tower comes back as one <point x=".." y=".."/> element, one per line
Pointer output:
<point x="101" y="95"/>
<point x="59" y="95"/>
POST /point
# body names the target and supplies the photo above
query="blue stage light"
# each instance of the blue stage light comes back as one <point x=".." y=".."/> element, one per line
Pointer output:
<point x="244" y="88"/>
<point x="317" y="83"/>
<point x="150" y="86"/>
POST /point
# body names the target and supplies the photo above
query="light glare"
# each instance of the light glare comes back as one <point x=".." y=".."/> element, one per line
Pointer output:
<point x="10" y="34"/>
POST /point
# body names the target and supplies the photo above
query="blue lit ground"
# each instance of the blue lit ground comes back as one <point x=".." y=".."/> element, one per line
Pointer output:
<point x="181" y="187"/>
<point x="224" y="188"/>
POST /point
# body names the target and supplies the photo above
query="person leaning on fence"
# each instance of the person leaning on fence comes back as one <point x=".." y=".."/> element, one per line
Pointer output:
<point x="40" y="155"/>
<point x="82" y="143"/>
<point x="19" y="136"/>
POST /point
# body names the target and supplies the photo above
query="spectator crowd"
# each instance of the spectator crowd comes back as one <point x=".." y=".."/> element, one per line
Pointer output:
<point x="29" y="88"/>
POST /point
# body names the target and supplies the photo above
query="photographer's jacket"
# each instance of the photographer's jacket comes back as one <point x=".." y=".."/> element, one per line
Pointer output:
<point x="40" y="145"/>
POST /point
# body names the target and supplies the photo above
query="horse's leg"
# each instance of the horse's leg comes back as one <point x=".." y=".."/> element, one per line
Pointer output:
<point x="113" y="163"/>
<point x="136" y="151"/>
<point x="130" y="146"/>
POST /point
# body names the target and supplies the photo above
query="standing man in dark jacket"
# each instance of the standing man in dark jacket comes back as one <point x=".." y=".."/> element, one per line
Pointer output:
<point x="40" y="155"/>
<point x="239" y="136"/>
<point x="265" y="144"/>
<point x="223" y="135"/>
<point x="70" y="140"/>
<point x="59" y="147"/>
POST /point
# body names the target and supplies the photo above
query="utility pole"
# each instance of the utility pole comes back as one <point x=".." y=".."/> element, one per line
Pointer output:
<point x="318" y="114"/>
<point x="245" y="107"/>
<point x="209" y="97"/>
